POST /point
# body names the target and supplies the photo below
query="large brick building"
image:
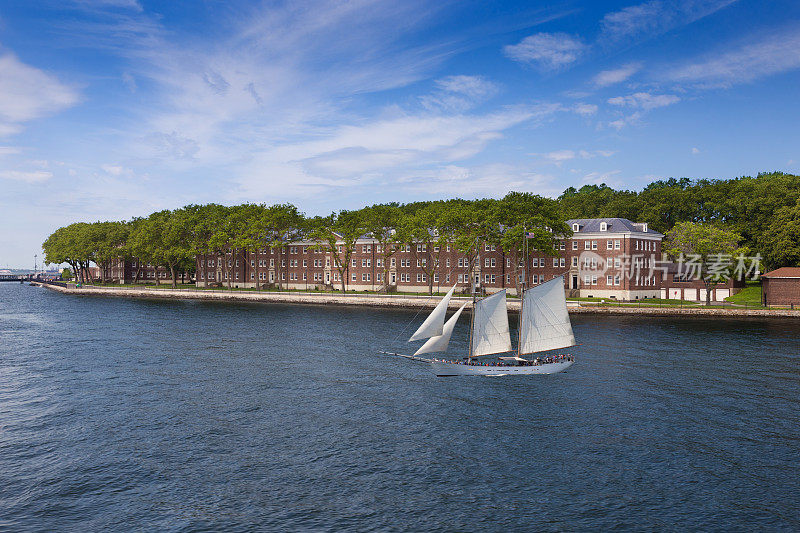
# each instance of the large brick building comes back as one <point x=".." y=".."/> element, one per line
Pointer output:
<point x="611" y="257"/>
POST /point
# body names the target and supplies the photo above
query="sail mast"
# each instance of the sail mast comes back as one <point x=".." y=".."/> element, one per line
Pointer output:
<point x="524" y="281"/>
<point x="472" y="315"/>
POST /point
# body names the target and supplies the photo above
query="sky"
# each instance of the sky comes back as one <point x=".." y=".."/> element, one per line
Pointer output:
<point x="111" y="109"/>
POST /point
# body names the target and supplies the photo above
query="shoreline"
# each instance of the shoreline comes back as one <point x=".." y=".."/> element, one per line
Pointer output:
<point x="396" y="301"/>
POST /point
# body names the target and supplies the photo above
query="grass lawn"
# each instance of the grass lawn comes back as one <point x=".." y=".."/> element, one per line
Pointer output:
<point x="749" y="296"/>
<point x="644" y="302"/>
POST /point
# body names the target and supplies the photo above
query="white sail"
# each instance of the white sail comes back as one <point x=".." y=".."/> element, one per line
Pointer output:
<point x="545" y="322"/>
<point x="490" y="326"/>
<point x="439" y="344"/>
<point x="432" y="327"/>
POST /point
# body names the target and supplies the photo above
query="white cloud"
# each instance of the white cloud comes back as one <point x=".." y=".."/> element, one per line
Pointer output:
<point x="27" y="93"/>
<point x="643" y="100"/>
<point x="104" y="4"/>
<point x="695" y="150"/>
<point x="656" y="17"/>
<point x="492" y="180"/>
<point x="585" y="109"/>
<point x="560" y="156"/>
<point x="597" y="178"/>
<point x="459" y="93"/>
<point x="360" y="154"/>
<point x="764" y="56"/>
<point x="549" y="51"/>
<point x="614" y="76"/>
<point x="35" y="176"/>
<point x="9" y="150"/>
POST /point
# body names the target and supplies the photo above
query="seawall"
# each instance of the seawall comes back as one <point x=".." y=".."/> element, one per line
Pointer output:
<point x="395" y="301"/>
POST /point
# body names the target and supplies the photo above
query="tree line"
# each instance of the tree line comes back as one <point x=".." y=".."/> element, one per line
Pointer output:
<point x="172" y="239"/>
<point x="763" y="211"/>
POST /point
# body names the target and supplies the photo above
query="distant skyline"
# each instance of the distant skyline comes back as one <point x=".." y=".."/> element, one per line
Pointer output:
<point x="117" y="108"/>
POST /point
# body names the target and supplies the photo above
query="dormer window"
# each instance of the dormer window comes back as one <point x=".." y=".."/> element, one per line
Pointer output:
<point x="576" y="227"/>
<point x="644" y="227"/>
<point x="603" y="226"/>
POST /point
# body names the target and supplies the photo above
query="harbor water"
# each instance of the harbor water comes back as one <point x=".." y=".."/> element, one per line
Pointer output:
<point x="196" y="416"/>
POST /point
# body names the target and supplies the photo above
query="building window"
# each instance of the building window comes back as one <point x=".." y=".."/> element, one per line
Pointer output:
<point x="594" y="280"/>
<point x="574" y="245"/>
<point x="555" y="261"/>
<point x="562" y="262"/>
<point x="609" y="280"/>
<point x="587" y="245"/>
<point x="576" y="227"/>
<point x="353" y="276"/>
<point x="594" y="245"/>
<point x="603" y="226"/>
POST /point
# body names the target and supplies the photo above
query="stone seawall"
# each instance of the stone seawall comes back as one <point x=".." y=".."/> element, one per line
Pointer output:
<point x="396" y="301"/>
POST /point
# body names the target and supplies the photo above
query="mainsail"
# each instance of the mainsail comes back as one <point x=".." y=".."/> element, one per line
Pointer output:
<point x="439" y="344"/>
<point x="490" y="326"/>
<point x="432" y="327"/>
<point x="544" y="321"/>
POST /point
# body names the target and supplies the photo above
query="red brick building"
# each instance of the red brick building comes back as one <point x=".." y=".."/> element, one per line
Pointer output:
<point x="681" y="284"/>
<point x="781" y="287"/>
<point x="613" y="258"/>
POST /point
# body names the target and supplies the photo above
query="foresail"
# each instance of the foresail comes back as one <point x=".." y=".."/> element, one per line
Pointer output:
<point x="545" y="321"/>
<point x="490" y="326"/>
<point x="439" y="344"/>
<point x="432" y="327"/>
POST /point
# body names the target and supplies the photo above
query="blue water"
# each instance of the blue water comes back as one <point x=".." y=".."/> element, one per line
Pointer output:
<point x="186" y="416"/>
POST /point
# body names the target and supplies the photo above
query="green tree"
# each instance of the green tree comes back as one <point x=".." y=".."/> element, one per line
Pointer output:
<point x="337" y="235"/>
<point x="712" y="246"/>
<point x="782" y="238"/>
<point x="384" y="223"/>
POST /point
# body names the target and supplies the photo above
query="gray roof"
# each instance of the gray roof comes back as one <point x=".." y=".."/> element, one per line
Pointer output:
<point x="615" y="225"/>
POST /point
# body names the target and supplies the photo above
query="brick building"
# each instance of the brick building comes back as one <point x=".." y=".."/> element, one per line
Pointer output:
<point x="781" y="287"/>
<point x="124" y="271"/>
<point x="612" y="257"/>
<point x="678" y="284"/>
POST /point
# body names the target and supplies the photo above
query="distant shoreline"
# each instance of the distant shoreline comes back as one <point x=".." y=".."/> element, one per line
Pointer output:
<point x="394" y="301"/>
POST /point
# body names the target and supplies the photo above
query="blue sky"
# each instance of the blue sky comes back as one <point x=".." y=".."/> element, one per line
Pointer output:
<point x="115" y="108"/>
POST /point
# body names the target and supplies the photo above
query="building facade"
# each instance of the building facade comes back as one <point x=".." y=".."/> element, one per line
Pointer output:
<point x="781" y="287"/>
<point x="608" y="258"/>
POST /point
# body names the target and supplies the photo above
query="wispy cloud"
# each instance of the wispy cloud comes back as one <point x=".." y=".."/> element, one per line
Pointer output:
<point x="560" y="156"/>
<point x="35" y="176"/>
<point x="548" y="51"/>
<point x="27" y="93"/>
<point x="364" y="154"/>
<point x="618" y="75"/>
<point x="777" y="52"/>
<point x="459" y="93"/>
<point x="653" y="18"/>
<point x="644" y="100"/>
<point x="584" y="109"/>
<point x="640" y="103"/>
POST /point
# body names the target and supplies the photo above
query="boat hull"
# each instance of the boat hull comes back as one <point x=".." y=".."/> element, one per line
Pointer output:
<point x="442" y="369"/>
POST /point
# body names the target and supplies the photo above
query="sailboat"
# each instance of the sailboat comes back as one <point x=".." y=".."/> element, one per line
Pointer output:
<point x="544" y="325"/>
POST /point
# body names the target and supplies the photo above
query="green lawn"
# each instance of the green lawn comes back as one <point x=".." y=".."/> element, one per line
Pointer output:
<point x="750" y="295"/>
<point x="657" y="302"/>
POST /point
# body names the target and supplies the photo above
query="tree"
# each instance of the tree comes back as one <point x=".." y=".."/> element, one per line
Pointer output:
<point x="338" y="234"/>
<point x="522" y="217"/>
<point x="285" y="224"/>
<point x="385" y="224"/>
<point x="429" y="234"/>
<point x="108" y="241"/>
<point x="710" y="245"/>
<point x="66" y="274"/>
<point x="782" y="238"/>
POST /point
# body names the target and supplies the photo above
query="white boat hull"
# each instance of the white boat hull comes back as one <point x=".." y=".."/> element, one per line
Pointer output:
<point x="442" y="369"/>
